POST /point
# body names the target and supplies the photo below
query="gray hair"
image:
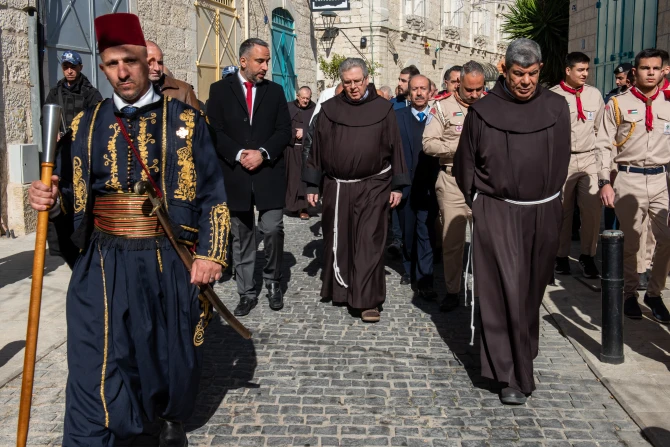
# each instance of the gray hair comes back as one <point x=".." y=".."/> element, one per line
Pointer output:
<point x="472" y="67"/>
<point x="353" y="62"/>
<point x="523" y="52"/>
<point x="248" y="44"/>
<point x="386" y="89"/>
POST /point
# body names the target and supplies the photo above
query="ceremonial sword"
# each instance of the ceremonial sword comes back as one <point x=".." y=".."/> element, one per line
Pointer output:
<point x="144" y="187"/>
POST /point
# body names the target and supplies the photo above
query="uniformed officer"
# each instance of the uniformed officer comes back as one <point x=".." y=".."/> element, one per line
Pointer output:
<point x="586" y="109"/>
<point x="635" y="132"/>
<point x="440" y="139"/>
<point x="620" y="79"/>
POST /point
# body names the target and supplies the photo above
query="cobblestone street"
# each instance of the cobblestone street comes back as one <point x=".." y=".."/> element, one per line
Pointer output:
<point x="314" y="375"/>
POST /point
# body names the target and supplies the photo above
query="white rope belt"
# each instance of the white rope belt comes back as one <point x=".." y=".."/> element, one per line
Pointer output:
<point x="471" y="262"/>
<point x="336" y="269"/>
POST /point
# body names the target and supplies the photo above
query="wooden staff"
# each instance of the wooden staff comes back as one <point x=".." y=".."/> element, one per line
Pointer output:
<point x="51" y="114"/>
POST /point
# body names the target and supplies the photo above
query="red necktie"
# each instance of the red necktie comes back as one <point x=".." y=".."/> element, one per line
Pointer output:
<point x="649" y="115"/>
<point x="250" y="92"/>
<point x="577" y="93"/>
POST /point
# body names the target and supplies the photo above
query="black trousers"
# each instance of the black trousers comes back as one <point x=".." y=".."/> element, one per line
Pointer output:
<point x="271" y="226"/>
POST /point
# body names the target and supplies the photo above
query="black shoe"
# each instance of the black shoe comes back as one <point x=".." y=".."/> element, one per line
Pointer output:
<point x="245" y="306"/>
<point x="405" y="280"/>
<point x="562" y="266"/>
<point x="173" y="435"/>
<point x="275" y="297"/>
<point x="643" y="281"/>
<point x="426" y="293"/>
<point x="588" y="265"/>
<point x="510" y="396"/>
<point x="631" y="308"/>
<point x="449" y="303"/>
<point x="11" y="234"/>
<point x="395" y="249"/>
<point x="658" y="309"/>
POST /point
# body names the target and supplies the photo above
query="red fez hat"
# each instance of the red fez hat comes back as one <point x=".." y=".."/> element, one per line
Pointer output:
<point x="117" y="29"/>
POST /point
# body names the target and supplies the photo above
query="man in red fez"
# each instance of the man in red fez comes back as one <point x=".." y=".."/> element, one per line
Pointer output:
<point x="135" y="323"/>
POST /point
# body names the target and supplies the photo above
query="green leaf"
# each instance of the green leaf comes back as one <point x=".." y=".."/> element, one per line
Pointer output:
<point x="546" y="22"/>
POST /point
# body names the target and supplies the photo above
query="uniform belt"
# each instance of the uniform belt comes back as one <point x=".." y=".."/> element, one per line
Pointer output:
<point x="646" y="171"/>
<point x="126" y="215"/>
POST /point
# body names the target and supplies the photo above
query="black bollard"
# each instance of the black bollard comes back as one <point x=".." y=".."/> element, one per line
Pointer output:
<point x="611" y="242"/>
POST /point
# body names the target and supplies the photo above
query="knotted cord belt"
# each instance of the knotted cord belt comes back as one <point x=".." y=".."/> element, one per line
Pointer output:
<point x="471" y="262"/>
<point x="336" y="269"/>
<point x="126" y="215"/>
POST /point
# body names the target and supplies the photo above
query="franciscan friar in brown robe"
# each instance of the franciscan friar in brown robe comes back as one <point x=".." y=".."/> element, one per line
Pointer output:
<point x="296" y="199"/>
<point x="359" y="141"/>
<point x="513" y="151"/>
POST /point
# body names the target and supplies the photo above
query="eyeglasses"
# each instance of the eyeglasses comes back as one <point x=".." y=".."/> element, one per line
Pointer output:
<point x="353" y="83"/>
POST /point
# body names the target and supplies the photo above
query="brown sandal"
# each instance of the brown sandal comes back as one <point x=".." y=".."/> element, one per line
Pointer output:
<point x="370" y="315"/>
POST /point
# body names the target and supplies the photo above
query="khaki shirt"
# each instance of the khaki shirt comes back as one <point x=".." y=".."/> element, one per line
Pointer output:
<point x="583" y="133"/>
<point x="642" y="148"/>
<point x="442" y="133"/>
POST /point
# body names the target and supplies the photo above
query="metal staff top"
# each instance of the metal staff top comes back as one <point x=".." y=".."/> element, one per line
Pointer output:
<point x="51" y="116"/>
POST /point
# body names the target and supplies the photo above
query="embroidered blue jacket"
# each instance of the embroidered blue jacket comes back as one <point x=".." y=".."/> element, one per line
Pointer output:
<point x="174" y="142"/>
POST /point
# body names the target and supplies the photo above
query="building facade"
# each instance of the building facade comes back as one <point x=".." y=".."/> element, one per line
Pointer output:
<point x="200" y="37"/>
<point x="614" y="31"/>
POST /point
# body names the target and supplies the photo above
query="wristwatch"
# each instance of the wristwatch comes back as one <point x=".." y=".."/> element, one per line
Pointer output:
<point x="602" y="183"/>
<point x="264" y="154"/>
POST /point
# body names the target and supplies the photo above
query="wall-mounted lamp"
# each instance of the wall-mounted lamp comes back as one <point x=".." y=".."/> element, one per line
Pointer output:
<point x="364" y="42"/>
<point x="395" y="58"/>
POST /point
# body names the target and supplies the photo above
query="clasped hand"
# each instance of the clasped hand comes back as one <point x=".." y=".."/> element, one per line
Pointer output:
<point x="251" y="159"/>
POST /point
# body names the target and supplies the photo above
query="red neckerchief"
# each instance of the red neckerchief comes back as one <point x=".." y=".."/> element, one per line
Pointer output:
<point x="649" y="115"/>
<point x="577" y="92"/>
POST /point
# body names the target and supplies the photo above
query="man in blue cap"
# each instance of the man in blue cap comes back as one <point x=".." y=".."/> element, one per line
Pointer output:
<point x="74" y="92"/>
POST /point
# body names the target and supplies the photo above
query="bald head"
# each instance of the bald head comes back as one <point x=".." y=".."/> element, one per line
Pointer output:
<point x="155" y="61"/>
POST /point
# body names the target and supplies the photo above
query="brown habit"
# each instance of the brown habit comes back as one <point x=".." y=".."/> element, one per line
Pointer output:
<point x="352" y="141"/>
<point x="296" y="199"/>
<point x="518" y="151"/>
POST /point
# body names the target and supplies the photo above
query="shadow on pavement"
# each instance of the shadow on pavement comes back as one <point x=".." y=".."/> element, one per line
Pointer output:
<point x="229" y="363"/>
<point x="10" y="350"/>
<point x="19" y="266"/>
<point x="659" y="437"/>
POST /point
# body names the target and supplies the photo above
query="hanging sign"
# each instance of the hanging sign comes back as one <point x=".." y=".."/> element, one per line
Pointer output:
<point x="328" y="5"/>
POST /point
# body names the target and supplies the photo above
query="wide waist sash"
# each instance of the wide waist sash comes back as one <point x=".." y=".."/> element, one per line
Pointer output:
<point x="126" y="215"/>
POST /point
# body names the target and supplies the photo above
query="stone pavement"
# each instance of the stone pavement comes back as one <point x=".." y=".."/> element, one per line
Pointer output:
<point x="313" y="375"/>
<point x="642" y="382"/>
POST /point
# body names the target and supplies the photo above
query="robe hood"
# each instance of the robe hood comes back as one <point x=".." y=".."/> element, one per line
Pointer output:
<point x="371" y="110"/>
<point x="501" y="111"/>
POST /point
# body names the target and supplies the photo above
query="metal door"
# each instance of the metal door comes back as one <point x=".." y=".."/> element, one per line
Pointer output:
<point x="283" y="52"/>
<point x="69" y="26"/>
<point x="625" y="27"/>
<point x="218" y="34"/>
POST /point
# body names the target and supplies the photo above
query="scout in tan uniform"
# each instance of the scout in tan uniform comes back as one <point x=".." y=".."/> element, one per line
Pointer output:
<point x="636" y="133"/>
<point x="586" y="109"/>
<point x="440" y="139"/>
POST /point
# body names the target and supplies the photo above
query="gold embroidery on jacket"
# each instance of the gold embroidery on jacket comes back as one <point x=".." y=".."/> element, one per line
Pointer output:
<point x="143" y="139"/>
<point x="186" y="182"/>
<point x="219" y="219"/>
<point x="79" y="185"/>
<point x="75" y="125"/>
<point x="111" y="160"/>
<point x="164" y="151"/>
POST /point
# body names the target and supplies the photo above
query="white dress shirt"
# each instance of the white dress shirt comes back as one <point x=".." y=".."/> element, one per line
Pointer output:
<point x="149" y="97"/>
<point x="251" y="112"/>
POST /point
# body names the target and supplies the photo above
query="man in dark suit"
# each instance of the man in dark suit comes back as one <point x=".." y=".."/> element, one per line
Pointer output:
<point x="418" y="208"/>
<point x="252" y="124"/>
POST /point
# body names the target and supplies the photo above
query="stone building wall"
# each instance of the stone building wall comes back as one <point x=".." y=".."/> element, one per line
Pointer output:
<point x="172" y="25"/>
<point x="663" y="25"/>
<point x="15" y="115"/>
<point x="583" y="27"/>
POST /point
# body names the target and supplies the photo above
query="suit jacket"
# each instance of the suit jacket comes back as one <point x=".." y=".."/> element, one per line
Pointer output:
<point x="423" y="169"/>
<point x="270" y="129"/>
